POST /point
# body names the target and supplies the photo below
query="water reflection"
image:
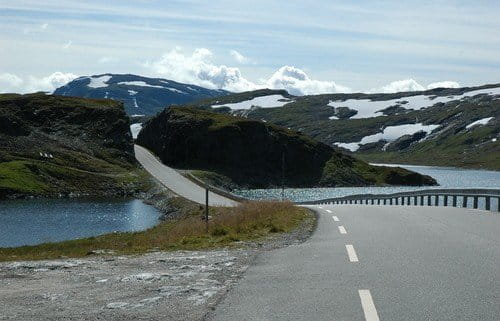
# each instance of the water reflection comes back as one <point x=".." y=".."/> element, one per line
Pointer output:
<point x="27" y="222"/>
<point x="447" y="177"/>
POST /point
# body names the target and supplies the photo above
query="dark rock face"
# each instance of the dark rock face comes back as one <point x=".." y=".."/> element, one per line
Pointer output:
<point x="250" y="152"/>
<point x="140" y="95"/>
<point x="405" y="141"/>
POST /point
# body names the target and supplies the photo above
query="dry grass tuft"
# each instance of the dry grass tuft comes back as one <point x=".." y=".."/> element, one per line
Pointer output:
<point x="250" y="220"/>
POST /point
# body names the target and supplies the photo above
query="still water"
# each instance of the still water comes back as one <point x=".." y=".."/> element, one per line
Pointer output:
<point x="447" y="177"/>
<point x="28" y="222"/>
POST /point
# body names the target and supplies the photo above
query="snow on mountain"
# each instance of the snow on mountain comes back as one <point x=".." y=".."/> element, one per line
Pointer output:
<point x="261" y="101"/>
<point x="98" y="81"/>
<point x="482" y="121"/>
<point x="389" y="134"/>
<point x="140" y="95"/>
<point x="367" y="108"/>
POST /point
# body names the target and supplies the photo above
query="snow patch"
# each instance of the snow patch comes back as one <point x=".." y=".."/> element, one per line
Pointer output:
<point x="135" y="129"/>
<point x="333" y="117"/>
<point x="176" y="90"/>
<point x="98" y="82"/>
<point x="483" y="121"/>
<point x="138" y="83"/>
<point x="389" y="134"/>
<point x="132" y="92"/>
<point x="262" y="101"/>
<point x="368" y="108"/>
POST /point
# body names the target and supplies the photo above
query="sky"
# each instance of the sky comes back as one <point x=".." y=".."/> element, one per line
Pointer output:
<point x="306" y="47"/>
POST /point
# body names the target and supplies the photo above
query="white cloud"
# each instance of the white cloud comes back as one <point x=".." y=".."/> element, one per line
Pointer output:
<point x="443" y="84"/>
<point x="67" y="45"/>
<point x="199" y="69"/>
<point x="106" y="59"/>
<point x="399" y="86"/>
<point x="238" y="57"/>
<point x="296" y="82"/>
<point x="10" y="83"/>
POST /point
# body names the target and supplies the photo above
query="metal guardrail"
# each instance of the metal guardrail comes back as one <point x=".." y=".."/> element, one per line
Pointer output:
<point x="430" y="197"/>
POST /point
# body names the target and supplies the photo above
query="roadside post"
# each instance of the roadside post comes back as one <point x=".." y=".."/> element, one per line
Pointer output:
<point x="206" y="208"/>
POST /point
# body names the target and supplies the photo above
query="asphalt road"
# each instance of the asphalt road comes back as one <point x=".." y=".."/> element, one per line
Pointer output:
<point x="177" y="183"/>
<point x="378" y="263"/>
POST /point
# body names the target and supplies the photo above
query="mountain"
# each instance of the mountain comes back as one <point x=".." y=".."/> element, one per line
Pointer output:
<point x="251" y="153"/>
<point x="140" y="95"/>
<point x="443" y="126"/>
<point x="53" y="146"/>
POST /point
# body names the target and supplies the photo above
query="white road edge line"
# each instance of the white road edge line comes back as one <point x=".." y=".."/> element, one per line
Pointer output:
<point x="342" y="230"/>
<point x="368" y="305"/>
<point x="335" y="218"/>
<point x="351" y="253"/>
<point x="329" y="211"/>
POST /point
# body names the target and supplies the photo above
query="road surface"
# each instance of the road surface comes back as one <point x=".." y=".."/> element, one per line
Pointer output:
<point x="378" y="263"/>
<point x="177" y="183"/>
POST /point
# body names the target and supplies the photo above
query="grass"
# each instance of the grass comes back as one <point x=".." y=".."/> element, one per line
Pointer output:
<point x="248" y="221"/>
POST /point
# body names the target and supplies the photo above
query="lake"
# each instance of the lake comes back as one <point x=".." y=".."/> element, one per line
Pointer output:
<point x="447" y="177"/>
<point x="29" y="222"/>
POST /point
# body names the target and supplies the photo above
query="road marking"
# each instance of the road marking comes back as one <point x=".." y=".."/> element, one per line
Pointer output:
<point x="342" y="230"/>
<point x="351" y="253"/>
<point x="335" y="218"/>
<point x="329" y="211"/>
<point x="368" y="305"/>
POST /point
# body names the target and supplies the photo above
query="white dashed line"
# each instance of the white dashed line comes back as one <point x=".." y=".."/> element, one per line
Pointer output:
<point x="342" y="230"/>
<point x="335" y="218"/>
<point x="368" y="305"/>
<point x="329" y="211"/>
<point x="351" y="253"/>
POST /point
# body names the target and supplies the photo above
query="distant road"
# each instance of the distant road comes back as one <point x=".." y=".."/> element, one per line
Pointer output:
<point x="378" y="263"/>
<point x="177" y="183"/>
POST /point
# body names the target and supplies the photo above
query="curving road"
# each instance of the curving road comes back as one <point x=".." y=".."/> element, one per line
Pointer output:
<point x="378" y="263"/>
<point x="177" y="183"/>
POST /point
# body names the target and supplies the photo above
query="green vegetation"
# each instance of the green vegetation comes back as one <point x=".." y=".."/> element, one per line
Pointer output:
<point x="52" y="145"/>
<point x="248" y="221"/>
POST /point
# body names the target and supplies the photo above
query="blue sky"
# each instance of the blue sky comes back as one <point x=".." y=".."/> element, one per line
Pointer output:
<point x="336" y="45"/>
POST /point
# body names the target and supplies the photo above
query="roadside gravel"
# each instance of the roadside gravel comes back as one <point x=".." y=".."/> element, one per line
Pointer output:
<point x="181" y="285"/>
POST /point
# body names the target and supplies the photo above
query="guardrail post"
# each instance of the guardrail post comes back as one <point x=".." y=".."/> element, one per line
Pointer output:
<point x="385" y="200"/>
<point x="408" y="200"/>
<point x="396" y="201"/>
<point x="415" y="200"/>
<point x="476" y="201"/>
<point x="390" y="201"/>
<point x="498" y="204"/>
<point x="445" y="201"/>
<point x="454" y="200"/>
<point x="403" y="200"/>
<point x="464" y="201"/>
<point x="206" y="209"/>
<point x="436" y="200"/>
<point x="428" y="200"/>
<point x="487" y="201"/>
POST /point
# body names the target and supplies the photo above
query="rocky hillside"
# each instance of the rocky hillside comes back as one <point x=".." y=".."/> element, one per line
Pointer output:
<point x="250" y="153"/>
<point x="450" y="127"/>
<point x="140" y="95"/>
<point x="52" y="145"/>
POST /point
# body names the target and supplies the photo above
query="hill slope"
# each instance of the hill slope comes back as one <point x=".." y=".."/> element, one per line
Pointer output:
<point x="52" y="145"/>
<point x="451" y="127"/>
<point x="251" y="152"/>
<point x="140" y="95"/>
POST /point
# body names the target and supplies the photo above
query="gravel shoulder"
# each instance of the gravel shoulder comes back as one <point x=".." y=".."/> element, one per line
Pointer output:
<point x="181" y="285"/>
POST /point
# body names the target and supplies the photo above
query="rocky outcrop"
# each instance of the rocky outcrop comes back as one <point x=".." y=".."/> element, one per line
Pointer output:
<point x="51" y="145"/>
<point x="253" y="153"/>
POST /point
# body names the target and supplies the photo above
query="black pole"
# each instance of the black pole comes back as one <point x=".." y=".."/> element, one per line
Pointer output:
<point x="206" y="208"/>
<point x="283" y="176"/>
